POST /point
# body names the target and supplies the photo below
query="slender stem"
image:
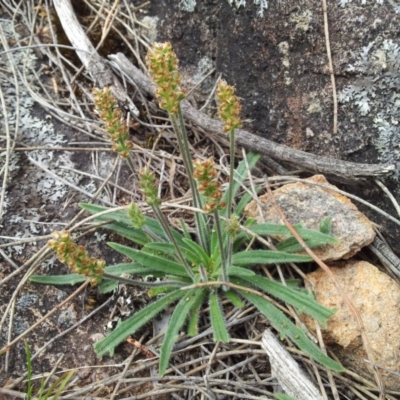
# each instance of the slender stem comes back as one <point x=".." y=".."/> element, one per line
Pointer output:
<point x="229" y="252"/>
<point x="221" y="246"/>
<point x="164" y="223"/>
<point x="131" y="166"/>
<point x="142" y="283"/>
<point x="231" y="171"/>
<point x="181" y="135"/>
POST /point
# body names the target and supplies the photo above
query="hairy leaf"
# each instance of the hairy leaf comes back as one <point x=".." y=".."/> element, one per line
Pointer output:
<point x="252" y="257"/>
<point x="283" y="230"/>
<point x="217" y="320"/>
<point x="70" y="279"/>
<point x="287" y="328"/>
<point x="238" y="271"/>
<point x="234" y="298"/>
<point x="194" y="315"/>
<point x="178" y="318"/>
<point x="242" y="172"/>
<point x="304" y="302"/>
<point x="151" y="261"/>
<point x="198" y="251"/>
<point x="132" y="324"/>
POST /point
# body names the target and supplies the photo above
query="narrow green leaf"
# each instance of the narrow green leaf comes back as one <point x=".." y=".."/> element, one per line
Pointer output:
<point x="238" y="271"/>
<point x="107" y="285"/>
<point x="246" y="198"/>
<point x="283" y="396"/>
<point x="104" y="287"/>
<point x="128" y="232"/>
<point x="162" y="247"/>
<point x="202" y="256"/>
<point x="253" y="257"/>
<point x="325" y="226"/>
<point x="133" y="323"/>
<point x="241" y="173"/>
<point x="303" y="301"/>
<point x="282" y="230"/>
<point x="122" y="221"/>
<point x="234" y="298"/>
<point x="29" y="370"/>
<point x="291" y="245"/>
<point x="287" y="328"/>
<point x="71" y="279"/>
<point x="184" y="228"/>
<point x="126" y="268"/>
<point x="178" y="318"/>
<point x="154" y="262"/>
<point x="217" y="320"/>
<point x="58" y="386"/>
<point x="119" y="216"/>
<point x="194" y="315"/>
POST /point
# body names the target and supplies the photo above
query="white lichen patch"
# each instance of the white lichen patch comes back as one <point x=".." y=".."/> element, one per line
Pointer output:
<point x="302" y="20"/>
<point x="283" y="48"/>
<point x="29" y="129"/>
<point x="190" y="5"/>
<point x="393" y="3"/>
<point x="376" y="92"/>
<point x="149" y="28"/>
<point x="187" y="5"/>
<point x="204" y="66"/>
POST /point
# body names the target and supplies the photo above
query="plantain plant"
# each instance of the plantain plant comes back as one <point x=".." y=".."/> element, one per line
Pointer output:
<point x="206" y="267"/>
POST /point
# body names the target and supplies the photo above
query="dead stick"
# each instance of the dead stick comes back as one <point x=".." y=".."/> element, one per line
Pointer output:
<point x="92" y="61"/>
<point x="330" y="65"/>
<point x="298" y="158"/>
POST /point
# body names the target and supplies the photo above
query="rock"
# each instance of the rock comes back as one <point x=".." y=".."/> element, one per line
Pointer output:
<point x="312" y="204"/>
<point x="377" y="298"/>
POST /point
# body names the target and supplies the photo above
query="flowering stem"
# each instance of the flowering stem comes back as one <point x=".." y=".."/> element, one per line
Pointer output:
<point x="221" y="245"/>
<point x="231" y="172"/>
<point x="183" y="143"/>
<point x="164" y="223"/>
<point x="131" y="166"/>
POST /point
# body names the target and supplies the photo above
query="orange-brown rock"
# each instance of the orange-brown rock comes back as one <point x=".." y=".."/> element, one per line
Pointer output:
<point x="311" y="204"/>
<point x="377" y="298"/>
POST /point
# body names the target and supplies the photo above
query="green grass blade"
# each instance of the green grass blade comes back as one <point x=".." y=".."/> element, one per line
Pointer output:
<point x="29" y="371"/>
<point x="302" y="301"/>
<point x="217" y="320"/>
<point x="253" y="257"/>
<point x="132" y="324"/>
<point x="287" y="328"/>
<point x="178" y="318"/>
<point x="59" y="384"/>
<point x="149" y="260"/>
